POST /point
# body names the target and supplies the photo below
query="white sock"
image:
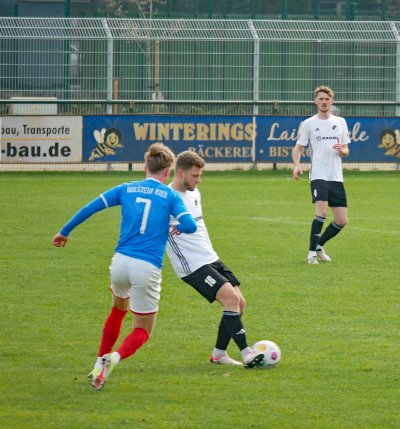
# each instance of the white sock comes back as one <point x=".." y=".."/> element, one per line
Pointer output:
<point x="245" y="352"/>
<point x="116" y="357"/>
<point x="217" y="353"/>
<point x="312" y="253"/>
<point x="319" y="247"/>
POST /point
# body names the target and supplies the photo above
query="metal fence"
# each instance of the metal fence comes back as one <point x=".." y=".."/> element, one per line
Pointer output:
<point x="104" y="66"/>
<point x="233" y="66"/>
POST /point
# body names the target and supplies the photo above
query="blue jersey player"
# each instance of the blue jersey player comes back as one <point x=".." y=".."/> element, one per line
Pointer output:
<point x="135" y="270"/>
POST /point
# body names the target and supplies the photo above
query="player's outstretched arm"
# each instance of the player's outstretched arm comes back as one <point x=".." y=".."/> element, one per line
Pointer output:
<point x="59" y="240"/>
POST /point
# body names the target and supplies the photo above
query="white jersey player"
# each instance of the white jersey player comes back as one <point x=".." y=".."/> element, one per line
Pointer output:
<point x="327" y="138"/>
<point x="196" y="262"/>
<point x="187" y="254"/>
<point x="320" y="135"/>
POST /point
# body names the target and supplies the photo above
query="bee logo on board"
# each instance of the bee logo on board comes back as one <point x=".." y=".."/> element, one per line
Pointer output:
<point x="107" y="143"/>
<point x="390" y="142"/>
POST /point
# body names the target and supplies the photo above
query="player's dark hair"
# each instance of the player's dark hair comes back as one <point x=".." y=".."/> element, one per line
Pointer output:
<point x="158" y="157"/>
<point x="188" y="159"/>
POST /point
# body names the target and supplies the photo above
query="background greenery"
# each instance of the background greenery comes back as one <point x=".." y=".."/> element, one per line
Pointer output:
<point x="218" y="9"/>
<point x="337" y="324"/>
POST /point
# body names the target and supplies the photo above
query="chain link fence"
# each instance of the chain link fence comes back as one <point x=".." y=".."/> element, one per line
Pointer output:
<point x="89" y="66"/>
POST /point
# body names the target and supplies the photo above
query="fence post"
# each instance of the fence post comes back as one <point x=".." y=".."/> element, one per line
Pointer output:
<point x="256" y="81"/>
<point x="397" y="37"/>
<point x="110" y="65"/>
<point x="285" y="9"/>
<point x="256" y="67"/>
<point x="67" y="7"/>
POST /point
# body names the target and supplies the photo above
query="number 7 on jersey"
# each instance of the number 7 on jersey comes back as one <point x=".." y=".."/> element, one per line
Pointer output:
<point x="146" y="211"/>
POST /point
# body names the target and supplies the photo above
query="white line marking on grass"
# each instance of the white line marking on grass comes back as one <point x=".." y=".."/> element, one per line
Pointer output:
<point x="377" y="231"/>
<point x="279" y="220"/>
<point x="291" y="222"/>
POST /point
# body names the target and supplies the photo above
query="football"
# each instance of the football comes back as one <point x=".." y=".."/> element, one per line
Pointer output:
<point x="271" y="351"/>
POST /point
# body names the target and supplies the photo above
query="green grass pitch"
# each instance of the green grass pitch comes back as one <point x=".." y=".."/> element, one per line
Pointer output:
<point x="337" y="324"/>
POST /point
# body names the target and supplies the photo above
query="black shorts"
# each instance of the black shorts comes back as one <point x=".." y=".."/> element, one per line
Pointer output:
<point x="208" y="279"/>
<point x="333" y="192"/>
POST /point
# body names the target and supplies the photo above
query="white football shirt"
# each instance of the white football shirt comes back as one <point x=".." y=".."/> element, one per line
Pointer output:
<point x="188" y="252"/>
<point x="320" y="135"/>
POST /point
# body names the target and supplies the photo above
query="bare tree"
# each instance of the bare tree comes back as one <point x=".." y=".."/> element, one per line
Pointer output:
<point x="146" y="8"/>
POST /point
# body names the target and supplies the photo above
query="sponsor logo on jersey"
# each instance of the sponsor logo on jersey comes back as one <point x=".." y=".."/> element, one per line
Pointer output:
<point x="319" y="138"/>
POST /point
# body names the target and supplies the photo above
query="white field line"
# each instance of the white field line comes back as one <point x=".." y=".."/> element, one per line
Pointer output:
<point x="287" y="221"/>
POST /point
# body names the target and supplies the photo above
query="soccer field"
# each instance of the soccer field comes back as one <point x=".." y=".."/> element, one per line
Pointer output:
<point x="337" y="324"/>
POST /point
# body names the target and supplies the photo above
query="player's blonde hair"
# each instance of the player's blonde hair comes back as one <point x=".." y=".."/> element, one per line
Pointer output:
<point x="323" y="88"/>
<point x="188" y="159"/>
<point x="158" y="157"/>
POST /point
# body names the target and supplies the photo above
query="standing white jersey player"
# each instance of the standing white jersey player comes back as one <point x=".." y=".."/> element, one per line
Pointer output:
<point x="320" y="135"/>
<point x="327" y="137"/>
<point x="196" y="263"/>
